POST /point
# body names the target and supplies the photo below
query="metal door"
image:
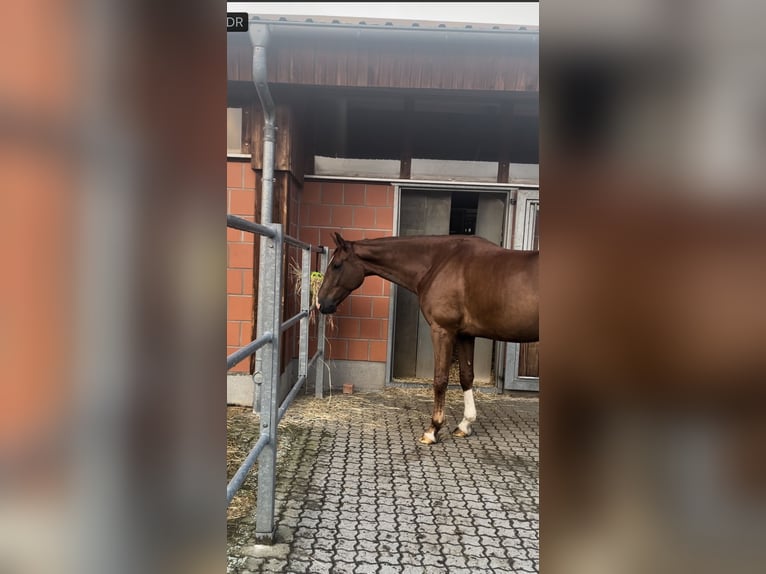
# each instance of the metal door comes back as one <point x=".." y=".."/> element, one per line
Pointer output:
<point x="421" y="212"/>
<point x="522" y="360"/>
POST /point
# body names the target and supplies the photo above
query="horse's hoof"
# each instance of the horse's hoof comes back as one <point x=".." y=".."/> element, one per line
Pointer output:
<point x="460" y="433"/>
<point x="427" y="438"/>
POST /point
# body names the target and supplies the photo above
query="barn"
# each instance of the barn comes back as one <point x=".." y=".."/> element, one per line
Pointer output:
<point x="383" y="127"/>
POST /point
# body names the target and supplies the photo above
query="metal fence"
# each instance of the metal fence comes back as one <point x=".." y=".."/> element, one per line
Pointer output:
<point x="267" y="371"/>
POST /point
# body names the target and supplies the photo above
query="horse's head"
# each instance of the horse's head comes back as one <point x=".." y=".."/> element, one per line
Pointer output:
<point x="344" y="273"/>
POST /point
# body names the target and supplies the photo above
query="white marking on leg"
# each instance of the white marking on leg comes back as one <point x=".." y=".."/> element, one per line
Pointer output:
<point x="429" y="436"/>
<point x="469" y="413"/>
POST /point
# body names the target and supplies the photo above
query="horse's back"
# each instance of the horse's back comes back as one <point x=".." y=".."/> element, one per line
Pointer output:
<point x="487" y="291"/>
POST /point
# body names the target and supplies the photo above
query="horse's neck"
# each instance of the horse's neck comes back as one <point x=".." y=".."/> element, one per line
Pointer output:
<point x="404" y="262"/>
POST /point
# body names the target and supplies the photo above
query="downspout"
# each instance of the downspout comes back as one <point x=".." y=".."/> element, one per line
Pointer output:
<point x="259" y="37"/>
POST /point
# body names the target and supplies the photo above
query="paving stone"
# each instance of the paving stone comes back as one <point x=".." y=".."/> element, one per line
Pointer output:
<point x="433" y="560"/>
<point x="364" y="556"/>
<point x="359" y="494"/>
<point x="321" y="567"/>
<point x="343" y="567"/>
<point x="524" y="565"/>
<point x="346" y="544"/>
<point x="390" y="559"/>
<point x="365" y="569"/>
<point x="455" y="562"/>
<point x="297" y="566"/>
<point x="273" y="566"/>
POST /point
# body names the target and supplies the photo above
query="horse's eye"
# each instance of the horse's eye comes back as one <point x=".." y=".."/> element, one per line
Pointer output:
<point x="337" y="264"/>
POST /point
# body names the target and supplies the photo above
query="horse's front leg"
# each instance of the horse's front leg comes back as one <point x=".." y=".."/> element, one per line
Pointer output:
<point x="465" y="347"/>
<point x="442" y="342"/>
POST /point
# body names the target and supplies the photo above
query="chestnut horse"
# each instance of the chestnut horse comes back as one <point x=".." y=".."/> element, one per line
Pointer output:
<point x="467" y="287"/>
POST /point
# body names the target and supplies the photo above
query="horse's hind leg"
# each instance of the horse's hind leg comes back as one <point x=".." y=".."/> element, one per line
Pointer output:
<point x="443" y="343"/>
<point x="465" y="357"/>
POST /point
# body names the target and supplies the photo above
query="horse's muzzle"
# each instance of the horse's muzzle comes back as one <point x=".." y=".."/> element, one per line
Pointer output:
<point x="327" y="308"/>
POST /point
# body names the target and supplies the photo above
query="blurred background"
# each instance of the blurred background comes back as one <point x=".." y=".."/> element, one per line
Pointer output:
<point x="112" y="408"/>
<point x="653" y="136"/>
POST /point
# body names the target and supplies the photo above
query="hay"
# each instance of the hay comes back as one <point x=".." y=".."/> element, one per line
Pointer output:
<point x="315" y="282"/>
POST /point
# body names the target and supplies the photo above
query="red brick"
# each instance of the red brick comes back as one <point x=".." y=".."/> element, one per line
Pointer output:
<point x="352" y="234"/>
<point x="342" y="216"/>
<point x="361" y="306"/>
<point x="378" y="351"/>
<point x="364" y="217"/>
<point x="326" y="238"/>
<point x="326" y="235"/>
<point x="373" y="285"/>
<point x="232" y="333"/>
<point x="358" y="350"/>
<point x="336" y="349"/>
<point x="348" y="328"/>
<point x="241" y="202"/>
<point x="239" y="308"/>
<point x="380" y="307"/>
<point x="311" y="192"/>
<point x="384" y="218"/>
<point x="241" y="255"/>
<point x="369" y="328"/>
<point x="233" y="234"/>
<point x="249" y="173"/>
<point x="332" y="193"/>
<point x="247" y="282"/>
<point x="378" y="195"/>
<point x="304" y="214"/>
<point x="320" y="215"/>
<point x="234" y="281"/>
<point x="376" y="233"/>
<point x="353" y="193"/>
<point x="243" y="366"/>
<point x="234" y="174"/>
<point x="246" y="333"/>
<point x="309" y="235"/>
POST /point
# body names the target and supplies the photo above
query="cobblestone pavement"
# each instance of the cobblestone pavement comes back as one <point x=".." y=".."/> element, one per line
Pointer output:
<point x="356" y="492"/>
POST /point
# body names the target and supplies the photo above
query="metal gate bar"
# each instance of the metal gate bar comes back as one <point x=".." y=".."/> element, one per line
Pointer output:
<point x="268" y="347"/>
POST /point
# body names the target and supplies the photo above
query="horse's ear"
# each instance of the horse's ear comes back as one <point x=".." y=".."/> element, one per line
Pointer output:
<point x="340" y="243"/>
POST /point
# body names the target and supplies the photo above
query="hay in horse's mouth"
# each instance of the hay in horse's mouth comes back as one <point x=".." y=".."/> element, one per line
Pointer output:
<point x="315" y="282"/>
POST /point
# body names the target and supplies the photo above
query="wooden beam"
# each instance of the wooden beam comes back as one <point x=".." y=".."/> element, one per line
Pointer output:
<point x="504" y="155"/>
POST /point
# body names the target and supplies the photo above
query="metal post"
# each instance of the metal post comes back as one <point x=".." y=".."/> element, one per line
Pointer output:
<point x="259" y="37"/>
<point x="303" y="342"/>
<point x="272" y="311"/>
<point x="319" y="377"/>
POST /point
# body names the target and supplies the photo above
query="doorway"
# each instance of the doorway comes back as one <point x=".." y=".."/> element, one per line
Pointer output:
<point x="439" y="211"/>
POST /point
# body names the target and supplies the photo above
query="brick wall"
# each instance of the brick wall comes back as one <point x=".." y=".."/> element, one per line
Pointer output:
<point x="356" y="211"/>
<point x="240" y="191"/>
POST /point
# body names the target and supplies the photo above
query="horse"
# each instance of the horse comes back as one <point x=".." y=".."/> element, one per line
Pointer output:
<point x="467" y="287"/>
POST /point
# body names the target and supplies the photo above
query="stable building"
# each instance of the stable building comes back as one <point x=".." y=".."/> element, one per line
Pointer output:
<point x="382" y="128"/>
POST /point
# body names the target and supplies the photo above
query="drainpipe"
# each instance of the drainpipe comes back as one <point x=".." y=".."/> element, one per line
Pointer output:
<point x="259" y="37"/>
